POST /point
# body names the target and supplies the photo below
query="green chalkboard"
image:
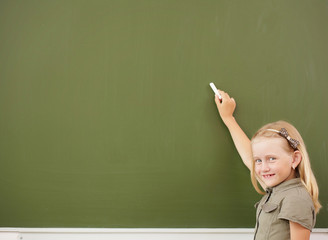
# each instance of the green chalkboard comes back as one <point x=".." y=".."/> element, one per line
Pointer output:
<point x="107" y="118"/>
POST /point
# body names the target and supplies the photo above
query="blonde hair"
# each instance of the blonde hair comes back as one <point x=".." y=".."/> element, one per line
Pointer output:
<point x="303" y="169"/>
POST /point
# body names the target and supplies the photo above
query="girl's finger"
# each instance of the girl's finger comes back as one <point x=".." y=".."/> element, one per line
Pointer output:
<point x="225" y="95"/>
<point x="221" y="92"/>
<point x="217" y="99"/>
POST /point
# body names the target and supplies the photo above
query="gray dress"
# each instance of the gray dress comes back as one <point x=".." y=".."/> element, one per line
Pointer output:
<point x="288" y="201"/>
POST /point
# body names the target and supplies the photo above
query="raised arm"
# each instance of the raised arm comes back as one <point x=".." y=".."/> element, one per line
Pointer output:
<point x="243" y="144"/>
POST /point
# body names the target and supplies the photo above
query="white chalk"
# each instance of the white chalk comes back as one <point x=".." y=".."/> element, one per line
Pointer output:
<point x="215" y="90"/>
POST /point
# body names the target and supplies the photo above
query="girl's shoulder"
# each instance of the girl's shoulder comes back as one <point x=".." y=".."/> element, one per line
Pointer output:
<point x="296" y="205"/>
<point x="296" y="194"/>
<point x="292" y="190"/>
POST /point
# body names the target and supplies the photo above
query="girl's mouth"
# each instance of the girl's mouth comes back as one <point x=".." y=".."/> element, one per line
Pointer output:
<point x="266" y="176"/>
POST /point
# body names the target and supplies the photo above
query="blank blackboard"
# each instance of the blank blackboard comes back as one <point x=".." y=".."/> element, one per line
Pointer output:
<point x="107" y="118"/>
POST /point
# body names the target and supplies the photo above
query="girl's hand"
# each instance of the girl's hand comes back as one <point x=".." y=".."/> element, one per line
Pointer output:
<point x="226" y="107"/>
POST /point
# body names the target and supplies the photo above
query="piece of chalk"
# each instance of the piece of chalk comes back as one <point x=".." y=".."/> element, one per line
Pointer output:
<point x="215" y="90"/>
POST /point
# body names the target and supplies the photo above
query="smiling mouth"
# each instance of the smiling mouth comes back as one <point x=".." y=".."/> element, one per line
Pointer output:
<point x="266" y="176"/>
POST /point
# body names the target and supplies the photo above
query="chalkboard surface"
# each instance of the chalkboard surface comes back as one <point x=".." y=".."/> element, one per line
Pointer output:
<point x="107" y="118"/>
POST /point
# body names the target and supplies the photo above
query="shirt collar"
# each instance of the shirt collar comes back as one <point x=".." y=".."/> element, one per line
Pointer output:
<point x="292" y="183"/>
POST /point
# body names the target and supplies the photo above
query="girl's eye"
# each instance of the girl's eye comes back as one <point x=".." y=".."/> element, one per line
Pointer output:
<point x="257" y="161"/>
<point x="272" y="158"/>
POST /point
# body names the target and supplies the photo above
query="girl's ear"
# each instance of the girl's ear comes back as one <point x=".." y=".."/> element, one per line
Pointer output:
<point x="297" y="158"/>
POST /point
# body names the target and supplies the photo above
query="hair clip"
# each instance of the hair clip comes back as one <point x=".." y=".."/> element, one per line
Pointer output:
<point x="283" y="132"/>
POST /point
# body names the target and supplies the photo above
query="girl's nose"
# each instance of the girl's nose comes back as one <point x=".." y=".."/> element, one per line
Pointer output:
<point x="265" y="166"/>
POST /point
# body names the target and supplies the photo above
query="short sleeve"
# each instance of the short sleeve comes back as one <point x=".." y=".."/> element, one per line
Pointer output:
<point x="299" y="210"/>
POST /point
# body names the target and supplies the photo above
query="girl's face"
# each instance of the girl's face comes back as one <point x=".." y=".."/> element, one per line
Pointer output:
<point x="273" y="164"/>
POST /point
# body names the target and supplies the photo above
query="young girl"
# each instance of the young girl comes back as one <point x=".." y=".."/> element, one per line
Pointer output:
<point x="278" y="161"/>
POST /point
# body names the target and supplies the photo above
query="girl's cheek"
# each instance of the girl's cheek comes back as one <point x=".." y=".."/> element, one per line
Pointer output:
<point x="257" y="169"/>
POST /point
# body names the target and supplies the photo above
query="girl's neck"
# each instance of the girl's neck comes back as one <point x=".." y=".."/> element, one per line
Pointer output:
<point x="292" y="175"/>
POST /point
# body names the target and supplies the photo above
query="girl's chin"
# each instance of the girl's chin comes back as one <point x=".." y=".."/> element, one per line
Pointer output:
<point x="270" y="181"/>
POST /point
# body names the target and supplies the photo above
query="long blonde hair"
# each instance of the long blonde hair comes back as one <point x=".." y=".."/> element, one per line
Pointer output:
<point x="303" y="169"/>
